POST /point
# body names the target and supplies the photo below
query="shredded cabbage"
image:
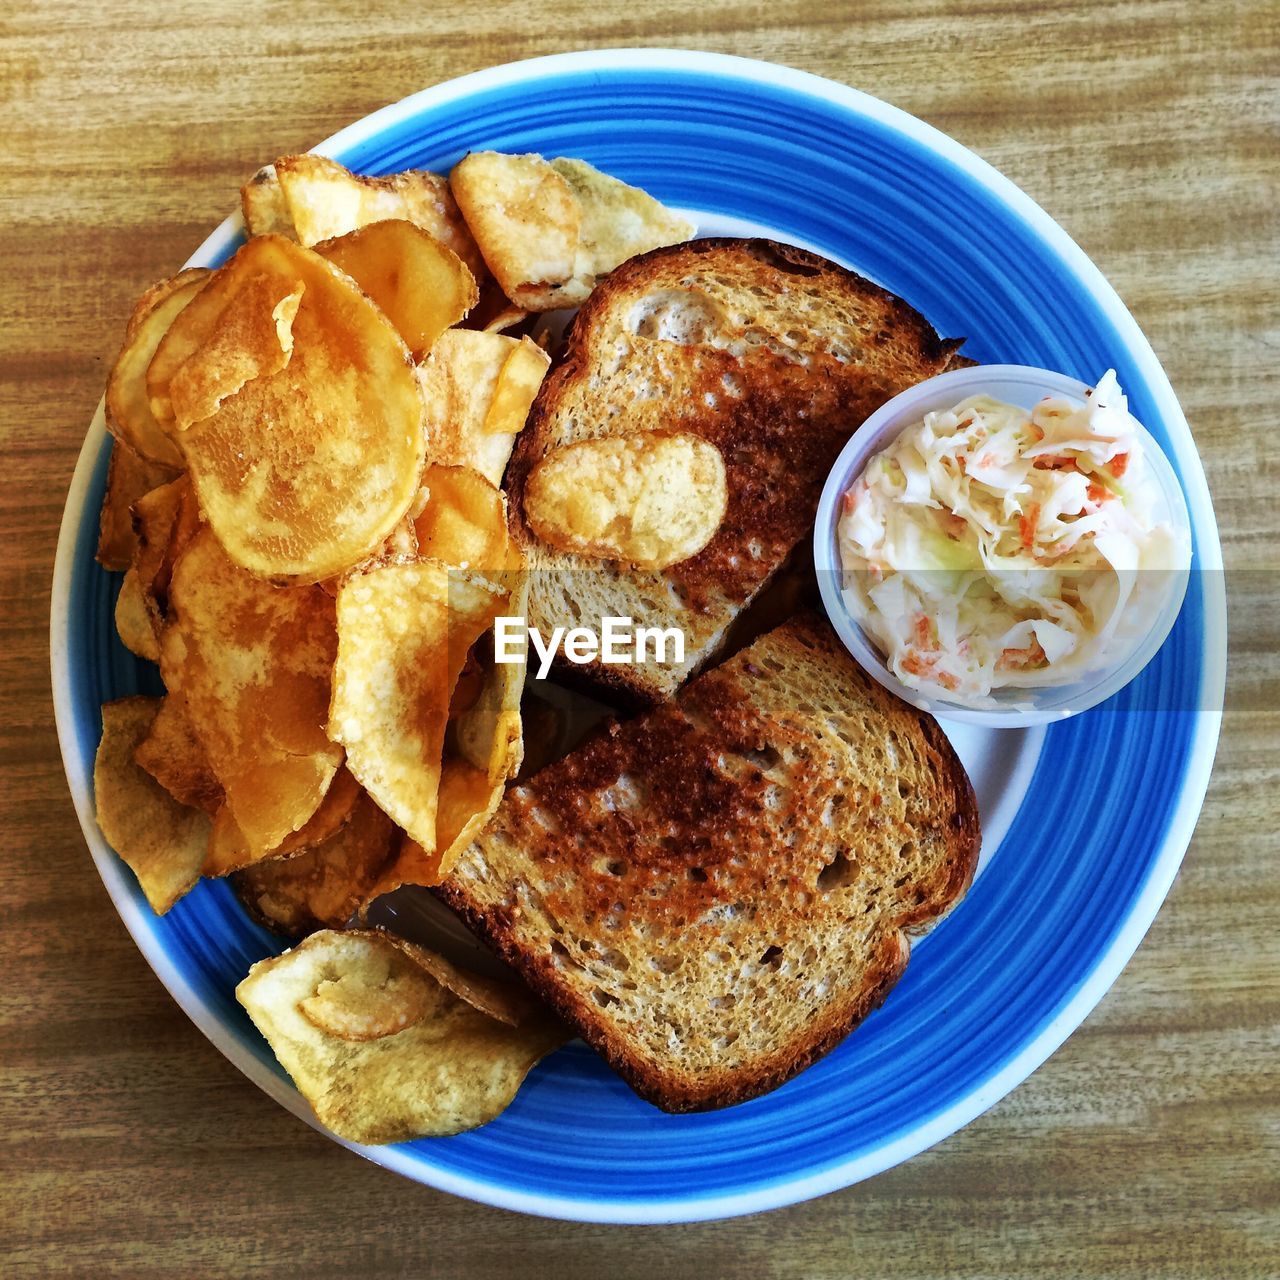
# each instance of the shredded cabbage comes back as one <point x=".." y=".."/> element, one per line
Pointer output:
<point x="988" y="547"/>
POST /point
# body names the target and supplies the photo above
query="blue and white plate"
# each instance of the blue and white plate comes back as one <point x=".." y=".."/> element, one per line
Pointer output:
<point x="1086" y="822"/>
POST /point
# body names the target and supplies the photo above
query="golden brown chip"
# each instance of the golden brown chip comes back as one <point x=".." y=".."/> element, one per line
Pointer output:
<point x="303" y="473"/>
<point x="518" y="384"/>
<point x="618" y="221"/>
<point x="526" y="221"/>
<point x="502" y="1001"/>
<point x="459" y="380"/>
<point x="325" y="200"/>
<point x="252" y="337"/>
<point x="129" y="476"/>
<point x="195" y="326"/>
<point x="133" y="619"/>
<point x="464" y="804"/>
<point x="253" y="663"/>
<point x="162" y="841"/>
<point x="488" y="732"/>
<point x="489" y="739"/>
<point x="164" y="520"/>
<point x="350" y="1007"/>
<point x="549" y="229"/>
<point x="403" y="635"/>
<point x="507" y="318"/>
<point x="464" y="521"/>
<point x="230" y="849"/>
<point x="467" y="801"/>
<point x="650" y="499"/>
<point x="401" y="544"/>
<point x="321" y="887"/>
<point x="451" y="1067"/>
<point x="129" y="413"/>
<point x="484" y="748"/>
<point x="173" y="755"/>
<point x="263" y="206"/>
<point x="419" y="282"/>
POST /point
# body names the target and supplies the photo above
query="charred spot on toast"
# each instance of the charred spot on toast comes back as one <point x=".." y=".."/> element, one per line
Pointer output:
<point x="773" y="472"/>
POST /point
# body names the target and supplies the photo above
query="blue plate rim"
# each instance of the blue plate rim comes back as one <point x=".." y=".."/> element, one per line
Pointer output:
<point x="1161" y="874"/>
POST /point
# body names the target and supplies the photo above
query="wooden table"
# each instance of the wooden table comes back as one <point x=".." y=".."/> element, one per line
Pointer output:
<point x="1147" y="1146"/>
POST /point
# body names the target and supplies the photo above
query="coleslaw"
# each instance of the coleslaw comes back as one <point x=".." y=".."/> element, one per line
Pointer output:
<point x="989" y="547"/>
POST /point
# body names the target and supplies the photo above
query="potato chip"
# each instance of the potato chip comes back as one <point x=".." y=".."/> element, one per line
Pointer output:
<point x="459" y="380"/>
<point x="507" y="318"/>
<point x="549" y="229"/>
<point x="162" y="841"/>
<point x="324" y="200"/>
<point x="322" y="886"/>
<point x="253" y="663"/>
<point x="488" y="732"/>
<point x="419" y="282"/>
<point x="618" y="221"/>
<point x="268" y="256"/>
<point x="230" y="849"/>
<point x="401" y="544"/>
<point x="467" y="801"/>
<point x="263" y="205"/>
<point x="503" y="1001"/>
<point x="490" y="744"/>
<point x="129" y="413"/>
<point x="403" y="635"/>
<point x="500" y="1000"/>
<point x="352" y="1009"/>
<point x="650" y="499"/>
<point x="464" y="521"/>
<point x="484" y="748"/>
<point x="518" y="384"/>
<point x="164" y="520"/>
<point x="133" y="619"/>
<point x="129" y="476"/>
<point x="451" y="1067"/>
<point x="303" y="473"/>
<point x="526" y="220"/>
<point x="252" y="337"/>
<point x="173" y="755"/>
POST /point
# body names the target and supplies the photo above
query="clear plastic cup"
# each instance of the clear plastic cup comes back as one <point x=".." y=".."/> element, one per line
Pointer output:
<point x="1146" y="622"/>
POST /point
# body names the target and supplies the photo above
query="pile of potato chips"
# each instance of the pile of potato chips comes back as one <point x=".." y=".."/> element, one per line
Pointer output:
<point x="305" y="499"/>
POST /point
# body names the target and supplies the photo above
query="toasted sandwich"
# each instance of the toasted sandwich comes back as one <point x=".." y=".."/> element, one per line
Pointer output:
<point x="716" y="892"/>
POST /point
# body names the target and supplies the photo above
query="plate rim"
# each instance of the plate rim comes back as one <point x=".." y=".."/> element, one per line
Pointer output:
<point x="1181" y="824"/>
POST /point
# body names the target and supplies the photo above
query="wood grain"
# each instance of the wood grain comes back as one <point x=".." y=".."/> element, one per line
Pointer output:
<point x="1149" y="1145"/>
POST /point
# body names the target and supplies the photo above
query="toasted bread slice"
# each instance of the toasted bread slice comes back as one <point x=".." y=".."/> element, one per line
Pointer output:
<point x="715" y="893"/>
<point x="772" y="354"/>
